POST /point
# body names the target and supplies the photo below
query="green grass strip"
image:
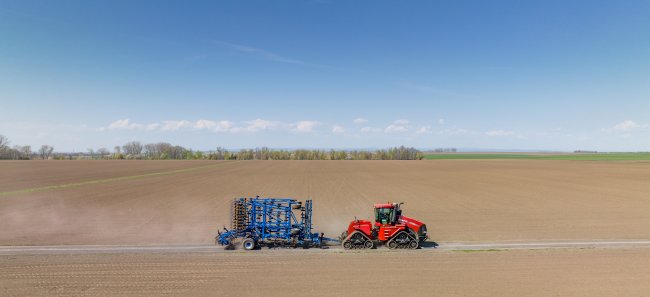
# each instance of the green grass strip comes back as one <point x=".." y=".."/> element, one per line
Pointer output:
<point x="566" y="157"/>
<point x="108" y="180"/>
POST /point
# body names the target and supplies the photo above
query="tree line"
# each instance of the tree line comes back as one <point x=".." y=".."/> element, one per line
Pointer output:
<point x="23" y="152"/>
<point x="165" y="151"/>
<point x="264" y="153"/>
<point x="135" y="150"/>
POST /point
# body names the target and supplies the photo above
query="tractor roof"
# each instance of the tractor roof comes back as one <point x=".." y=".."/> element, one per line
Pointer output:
<point x="384" y="205"/>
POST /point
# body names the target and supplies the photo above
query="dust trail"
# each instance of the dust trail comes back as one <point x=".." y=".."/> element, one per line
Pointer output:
<point x="109" y="180"/>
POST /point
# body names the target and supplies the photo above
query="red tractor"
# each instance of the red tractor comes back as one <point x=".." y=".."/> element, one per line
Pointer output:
<point x="390" y="228"/>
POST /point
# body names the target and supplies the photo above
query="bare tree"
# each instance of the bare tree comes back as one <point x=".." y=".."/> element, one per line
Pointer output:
<point x="151" y="150"/>
<point x="13" y="153"/>
<point x="102" y="151"/>
<point x="42" y="150"/>
<point x="160" y="150"/>
<point x="4" y="147"/>
<point x="4" y="142"/>
<point x="26" y="151"/>
<point x="45" y="151"/>
<point x="91" y="152"/>
<point x="133" y="148"/>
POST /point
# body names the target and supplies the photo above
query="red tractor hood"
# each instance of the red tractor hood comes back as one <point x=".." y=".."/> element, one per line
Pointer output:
<point x="411" y="223"/>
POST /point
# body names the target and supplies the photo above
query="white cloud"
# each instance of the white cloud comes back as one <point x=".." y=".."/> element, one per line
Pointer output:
<point x="627" y="126"/>
<point x="305" y="126"/>
<point x="259" y="125"/>
<point x="151" y="127"/>
<point x="336" y="129"/>
<point x="441" y="121"/>
<point x="423" y="130"/>
<point x="216" y="126"/>
<point x="369" y="130"/>
<point x="124" y="124"/>
<point x="175" y="125"/>
<point x="225" y="126"/>
<point x="397" y="126"/>
<point x="499" y="133"/>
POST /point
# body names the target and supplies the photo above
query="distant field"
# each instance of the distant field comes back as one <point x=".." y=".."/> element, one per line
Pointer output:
<point x="532" y="156"/>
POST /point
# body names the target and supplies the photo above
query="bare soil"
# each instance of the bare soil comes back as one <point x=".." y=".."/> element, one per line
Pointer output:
<point x="576" y="272"/>
<point x="460" y="200"/>
<point x="503" y="202"/>
<point x="16" y="175"/>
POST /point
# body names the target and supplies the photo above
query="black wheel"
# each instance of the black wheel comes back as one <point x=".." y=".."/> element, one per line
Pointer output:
<point x="413" y="245"/>
<point x="248" y="244"/>
<point x="368" y="244"/>
<point x="392" y="244"/>
<point x="347" y="245"/>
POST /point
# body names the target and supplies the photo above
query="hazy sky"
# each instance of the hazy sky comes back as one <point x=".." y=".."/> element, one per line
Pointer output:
<point x="557" y="75"/>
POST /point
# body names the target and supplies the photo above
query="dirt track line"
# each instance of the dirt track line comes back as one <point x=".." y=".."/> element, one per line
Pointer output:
<point x="102" y="249"/>
<point x="544" y="245"/>
<point x="451" y="246"/>
<point x="108" y="180"/>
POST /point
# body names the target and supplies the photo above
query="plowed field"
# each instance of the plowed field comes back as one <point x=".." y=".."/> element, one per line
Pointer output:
<point x="499" y="203"/>
<point x="591" y="272"/>
<point x="154" y="202"/>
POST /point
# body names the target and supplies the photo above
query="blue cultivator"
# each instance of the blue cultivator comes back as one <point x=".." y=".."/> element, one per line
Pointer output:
<point x="270" y="222"/>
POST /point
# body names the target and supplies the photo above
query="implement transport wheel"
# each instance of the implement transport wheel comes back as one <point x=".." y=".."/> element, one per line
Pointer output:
<point x="248" y="244"/>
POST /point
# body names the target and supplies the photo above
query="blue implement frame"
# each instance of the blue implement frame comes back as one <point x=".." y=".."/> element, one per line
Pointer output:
<point x="271" y="222"/>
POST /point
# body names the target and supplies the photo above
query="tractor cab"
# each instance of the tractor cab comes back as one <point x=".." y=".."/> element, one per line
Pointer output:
<point x="387" y="213"/>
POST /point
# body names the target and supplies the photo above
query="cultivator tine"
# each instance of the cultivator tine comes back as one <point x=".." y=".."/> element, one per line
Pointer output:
<point x="239" y="215"/>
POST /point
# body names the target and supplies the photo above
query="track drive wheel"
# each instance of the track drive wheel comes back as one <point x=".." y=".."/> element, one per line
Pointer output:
<point x="248" y="244"/>
<point x="368" y="244"/>
<point x="347" y="245"/>
<point x="415" y="242"/>
<point x="413" y="245"/>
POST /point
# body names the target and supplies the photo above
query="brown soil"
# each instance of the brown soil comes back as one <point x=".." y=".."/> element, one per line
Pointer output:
<point x="590" y="272"/>
<point x="460" y="200"/>
<point x="16" y="175"/>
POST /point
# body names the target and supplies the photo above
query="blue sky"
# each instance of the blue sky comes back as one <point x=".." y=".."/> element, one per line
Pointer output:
<point x="530" y="75"/>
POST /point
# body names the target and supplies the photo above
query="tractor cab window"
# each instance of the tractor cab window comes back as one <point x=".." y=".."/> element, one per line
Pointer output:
<point x="383" y="215"/>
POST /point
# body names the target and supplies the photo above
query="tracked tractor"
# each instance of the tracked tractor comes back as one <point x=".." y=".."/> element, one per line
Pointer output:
<point x="390" y="228"/>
